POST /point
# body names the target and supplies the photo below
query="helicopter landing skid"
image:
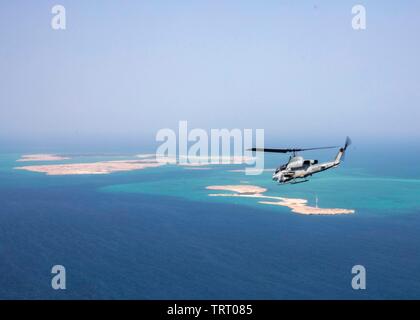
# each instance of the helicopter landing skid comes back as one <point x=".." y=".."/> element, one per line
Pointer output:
<point x="295" y="181"/>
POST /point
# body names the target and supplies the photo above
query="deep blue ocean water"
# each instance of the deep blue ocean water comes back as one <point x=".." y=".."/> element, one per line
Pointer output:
<point x="154" y="234"/>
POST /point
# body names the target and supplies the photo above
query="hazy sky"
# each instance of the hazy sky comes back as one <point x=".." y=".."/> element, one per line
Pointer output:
<point x="124" y="69"/>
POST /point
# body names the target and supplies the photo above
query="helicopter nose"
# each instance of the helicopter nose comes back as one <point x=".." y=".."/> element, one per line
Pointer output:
<point x="281" y="178"/>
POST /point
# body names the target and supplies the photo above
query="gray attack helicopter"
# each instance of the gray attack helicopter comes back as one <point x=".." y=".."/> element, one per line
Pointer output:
<point x="298" y="169"/>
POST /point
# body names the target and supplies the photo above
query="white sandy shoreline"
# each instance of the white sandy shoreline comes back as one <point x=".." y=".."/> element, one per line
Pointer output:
<point x="41" y="157"/>
<point x="102" y="167"/>
<point x="299" y="206"/>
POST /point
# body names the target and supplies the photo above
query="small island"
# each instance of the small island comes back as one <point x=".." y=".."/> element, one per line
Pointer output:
<point x="240" y="189"/>
<point x="41" y="157"/>
<point x="102" y="167"/>
<point x="296" y="205"/>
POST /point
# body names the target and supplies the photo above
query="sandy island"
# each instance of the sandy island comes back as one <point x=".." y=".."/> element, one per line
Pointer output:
<point x="102" y="167"/>
<point x="252" y="170"/>
<point x="195" y="161"/>
<point x="296" y="205"/>
<point x="239" y="189"/>
<point x="201" y="161"/>
<point x="41" y="157"/>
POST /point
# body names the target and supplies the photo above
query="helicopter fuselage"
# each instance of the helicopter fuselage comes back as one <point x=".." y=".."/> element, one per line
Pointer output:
<point x="299" y="168"/>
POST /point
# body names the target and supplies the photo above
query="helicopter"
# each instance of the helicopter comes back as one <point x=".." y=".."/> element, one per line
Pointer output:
<point x="298" y="169"/>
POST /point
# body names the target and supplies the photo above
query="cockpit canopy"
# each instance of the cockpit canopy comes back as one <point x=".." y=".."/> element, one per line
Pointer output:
<point x="282" y="167"/>
<point x="296" y="163"/>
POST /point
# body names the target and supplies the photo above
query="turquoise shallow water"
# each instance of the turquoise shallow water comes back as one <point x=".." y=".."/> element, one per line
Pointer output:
<point x="350" y="189"/>
<point x="156" y="233"/>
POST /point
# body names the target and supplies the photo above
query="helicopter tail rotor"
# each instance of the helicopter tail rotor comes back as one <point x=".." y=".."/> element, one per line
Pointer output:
<point x="347" y="143"/>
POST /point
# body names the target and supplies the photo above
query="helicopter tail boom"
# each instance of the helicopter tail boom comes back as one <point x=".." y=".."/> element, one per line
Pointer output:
<point x="339" y="156"/>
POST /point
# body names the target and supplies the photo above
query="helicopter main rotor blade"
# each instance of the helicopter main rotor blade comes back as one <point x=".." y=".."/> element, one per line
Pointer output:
<point x="271" y="150"/>
<point x="319" y="148"/>
<point x="274" y="150"/>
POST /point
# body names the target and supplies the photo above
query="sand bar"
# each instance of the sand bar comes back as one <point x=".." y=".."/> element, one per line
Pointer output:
<point x="103" y="167"/>
<point x="240" y="189"/>
<point x="296" y="205"/>
<point x="41" y="157"/>
<point x="251" y="170"/>
<point x="146" y="155"/>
